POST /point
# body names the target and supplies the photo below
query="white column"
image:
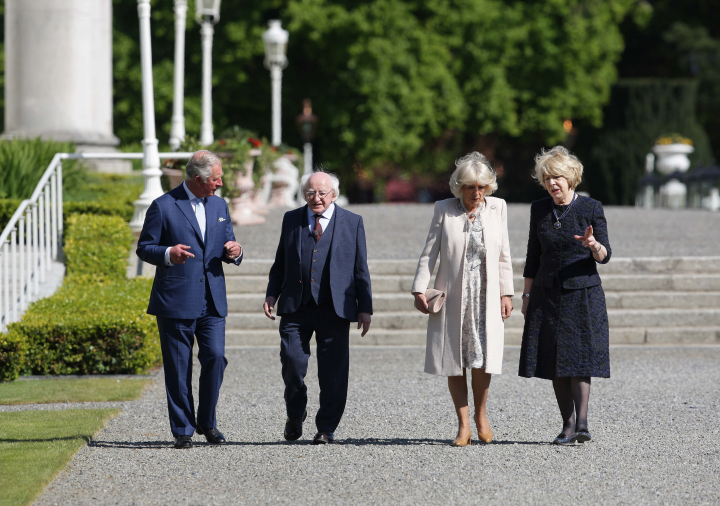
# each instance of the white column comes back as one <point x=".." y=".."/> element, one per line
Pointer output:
<point x="151" y="161"/>
<point x="58" y="74"/>
<point x="308" y="157"/>
<point x="276" y="78"/>
<point x="206" y="130"/>
<point x="177" y="130"/>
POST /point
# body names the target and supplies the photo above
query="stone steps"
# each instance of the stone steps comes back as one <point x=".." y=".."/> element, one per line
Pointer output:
<point x="650" y="300"/>
<point x="513" y="336"/>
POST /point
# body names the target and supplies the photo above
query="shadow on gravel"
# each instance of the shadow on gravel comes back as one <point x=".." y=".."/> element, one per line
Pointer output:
<point x="352" y="441"/>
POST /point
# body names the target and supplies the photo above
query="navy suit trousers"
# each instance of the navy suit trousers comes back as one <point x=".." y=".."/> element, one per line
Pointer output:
<point x="176" y="340"/>
<point x="332" y="335"/>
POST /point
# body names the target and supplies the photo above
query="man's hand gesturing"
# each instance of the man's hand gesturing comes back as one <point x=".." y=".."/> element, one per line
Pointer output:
<point x="232" y="250"/>
<point x="179" y="253"/>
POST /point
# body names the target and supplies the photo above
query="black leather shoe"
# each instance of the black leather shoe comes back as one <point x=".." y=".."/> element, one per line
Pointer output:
<point x="563" y="439"/>
<point x="582" y="436"/>
<point x="323" y="438"/>
<point x="183" y="442"/>
<point x="213" y="435"/>
<point x="293" y="428"/>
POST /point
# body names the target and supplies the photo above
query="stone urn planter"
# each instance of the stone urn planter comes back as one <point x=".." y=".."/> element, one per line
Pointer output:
<point x="672" y="157"/>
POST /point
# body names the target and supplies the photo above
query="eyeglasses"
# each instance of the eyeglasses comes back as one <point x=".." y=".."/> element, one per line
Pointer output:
<point x="322" y="195"/>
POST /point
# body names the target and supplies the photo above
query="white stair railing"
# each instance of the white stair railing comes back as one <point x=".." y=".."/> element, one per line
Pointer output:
<point x="33" y="237"/>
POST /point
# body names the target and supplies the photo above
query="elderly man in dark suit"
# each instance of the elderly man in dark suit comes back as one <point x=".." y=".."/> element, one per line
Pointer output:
<point x="187" y="235"/>
<point x="321" y="276"/>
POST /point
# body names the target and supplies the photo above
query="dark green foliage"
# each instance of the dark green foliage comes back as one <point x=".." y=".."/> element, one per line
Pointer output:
<point x="641" y="110"/>
<point x="97" y="245"/>
<point x="90" y="327"/>
<point x="7" y="209"/>
<point x="13" y="350"/>
<point x="23" y="162"/>
<point x="396" y="84"/>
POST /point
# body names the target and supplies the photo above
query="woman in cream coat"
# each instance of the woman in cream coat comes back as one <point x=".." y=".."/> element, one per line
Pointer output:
<point x="469" y="236"/>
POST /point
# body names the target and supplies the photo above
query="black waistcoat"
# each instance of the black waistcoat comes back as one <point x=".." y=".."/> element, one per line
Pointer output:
<point x="316" y="263"/>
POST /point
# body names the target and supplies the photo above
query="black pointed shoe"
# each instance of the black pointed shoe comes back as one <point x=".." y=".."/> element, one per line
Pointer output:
<point x="293" y="427"/>
<point x="582" y="436"/>
<point x="183" y="442"/>
<point x="323" y="438"/>
<point x="213" y="436"/>
<point x="563" y="439"/>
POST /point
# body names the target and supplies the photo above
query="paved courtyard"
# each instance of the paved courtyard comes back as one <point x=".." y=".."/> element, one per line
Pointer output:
<point x="657" y="440"/>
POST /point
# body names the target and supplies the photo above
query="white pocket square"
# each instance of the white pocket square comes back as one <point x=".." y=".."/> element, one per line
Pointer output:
<point x="221" y="219"/>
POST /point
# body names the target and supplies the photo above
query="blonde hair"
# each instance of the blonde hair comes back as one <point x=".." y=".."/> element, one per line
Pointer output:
<point x="558" y="161"/>
<point x="471" y="169"/>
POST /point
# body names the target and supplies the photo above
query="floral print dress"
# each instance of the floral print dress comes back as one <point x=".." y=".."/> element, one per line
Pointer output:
<point x="474" y="338"/>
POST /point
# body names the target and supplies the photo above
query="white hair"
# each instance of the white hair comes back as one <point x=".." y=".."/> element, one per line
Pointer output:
<point x="334" y="181"/>
<point x="201" y="164"/>
<point x="473" y="168"/>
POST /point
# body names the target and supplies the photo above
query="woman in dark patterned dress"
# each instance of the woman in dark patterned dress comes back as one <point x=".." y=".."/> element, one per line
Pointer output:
<point x="565" y="338"/>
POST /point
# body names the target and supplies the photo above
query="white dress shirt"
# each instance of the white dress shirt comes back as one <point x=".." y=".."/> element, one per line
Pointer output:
<point x="324" y="220"/>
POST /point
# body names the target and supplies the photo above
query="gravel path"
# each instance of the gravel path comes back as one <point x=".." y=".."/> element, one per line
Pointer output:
<point x="399" y="231"/>
<point x="654" y="424"/>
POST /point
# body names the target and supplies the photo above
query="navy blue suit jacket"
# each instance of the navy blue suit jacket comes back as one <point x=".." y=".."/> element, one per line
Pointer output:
<point x="349" y="274"/>
<point x="554" y="257"/>
<point x="179" y="291"/>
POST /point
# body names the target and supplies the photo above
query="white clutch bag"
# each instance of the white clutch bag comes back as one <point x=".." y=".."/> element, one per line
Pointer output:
<point x="435" y="299"/>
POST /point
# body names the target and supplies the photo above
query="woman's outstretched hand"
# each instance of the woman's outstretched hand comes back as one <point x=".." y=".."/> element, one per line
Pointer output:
<point x="421" y="303"/>
<point x="588" y="240"/>
<point x="506" y="307"/>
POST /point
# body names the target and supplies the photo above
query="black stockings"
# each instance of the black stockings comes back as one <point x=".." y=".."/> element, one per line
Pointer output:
<point x="572" y="396"/>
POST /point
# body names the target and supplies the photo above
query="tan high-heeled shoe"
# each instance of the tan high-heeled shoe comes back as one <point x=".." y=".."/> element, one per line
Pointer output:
<point x="486" y="437"/>
<point x="463" y="442"/>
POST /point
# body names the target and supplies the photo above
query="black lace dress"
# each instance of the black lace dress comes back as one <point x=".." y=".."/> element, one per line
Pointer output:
<point x="566" y="331"/>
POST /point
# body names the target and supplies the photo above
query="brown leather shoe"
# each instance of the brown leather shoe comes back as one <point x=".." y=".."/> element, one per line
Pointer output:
<point x="323" y="438"/>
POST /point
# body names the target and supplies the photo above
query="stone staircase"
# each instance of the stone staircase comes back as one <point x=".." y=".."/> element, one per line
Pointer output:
<point x="650" y="301"/>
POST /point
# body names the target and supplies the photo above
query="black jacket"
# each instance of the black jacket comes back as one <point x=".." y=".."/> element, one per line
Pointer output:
<point x="554" y="257"/>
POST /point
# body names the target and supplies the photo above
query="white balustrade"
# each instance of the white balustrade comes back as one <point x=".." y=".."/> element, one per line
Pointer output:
<point x="32" y="240"/>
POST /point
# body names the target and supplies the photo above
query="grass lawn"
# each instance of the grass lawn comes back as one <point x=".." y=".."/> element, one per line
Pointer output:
<point x="36" y="445"/>
<point x="71" y="390"/>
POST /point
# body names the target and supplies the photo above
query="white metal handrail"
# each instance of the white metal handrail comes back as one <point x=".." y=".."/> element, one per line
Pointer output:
<point x="33" y="237"/>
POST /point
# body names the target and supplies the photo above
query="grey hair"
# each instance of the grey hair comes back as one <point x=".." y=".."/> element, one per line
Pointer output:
<point x="558" y="161"/>
<point x="471" y="169"/>
<point x="334" y="181"/>
<point x="201" y="164"/>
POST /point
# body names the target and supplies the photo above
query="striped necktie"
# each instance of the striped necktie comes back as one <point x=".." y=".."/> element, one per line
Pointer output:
<point x="317" y="231"/>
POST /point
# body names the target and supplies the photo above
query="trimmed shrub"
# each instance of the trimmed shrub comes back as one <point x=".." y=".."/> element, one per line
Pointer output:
<point x="101" y="208"/>
<point x="13" y="349"/>
<point x="91" y="327"/>
<point x="97" y="245"/>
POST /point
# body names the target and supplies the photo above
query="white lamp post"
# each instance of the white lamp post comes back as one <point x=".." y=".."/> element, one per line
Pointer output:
<point x="177" y="131"/>
<point x="275" y="40"/>
<point x="208" y="13"/>
<point x="151" y="161"/>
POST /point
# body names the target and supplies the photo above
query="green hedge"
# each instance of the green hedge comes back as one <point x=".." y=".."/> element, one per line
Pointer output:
<point x="13" y="350"/>
<point x="97" y="245"/>
<point x="96" y="323"/>
<point x="91" y="328"/>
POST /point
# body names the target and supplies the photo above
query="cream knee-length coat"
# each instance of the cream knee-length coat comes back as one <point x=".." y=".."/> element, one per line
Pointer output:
<point x="446" y="241"/>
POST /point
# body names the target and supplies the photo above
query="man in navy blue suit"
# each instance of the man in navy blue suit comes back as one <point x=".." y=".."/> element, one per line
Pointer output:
<point x="321" y="277"/>
<point x="187" y="235"/>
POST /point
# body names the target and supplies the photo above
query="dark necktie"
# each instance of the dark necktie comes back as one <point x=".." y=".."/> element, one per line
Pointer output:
<point x="317" y="231"/>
